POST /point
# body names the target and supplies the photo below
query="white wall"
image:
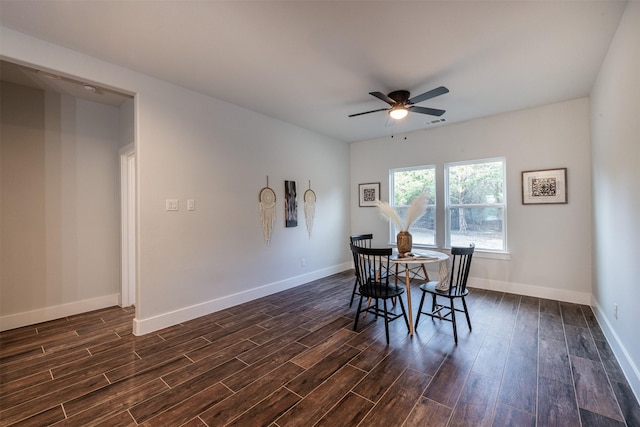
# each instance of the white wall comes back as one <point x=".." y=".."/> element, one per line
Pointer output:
<point x="615" y="119"/>
<point x="60" y="206"/>
<point x="550" y="245"/>
<point x="127" y="122"/>
<point x="191" y="146"/>
<point x="22" y="198"/>
<point x="219" y="155"/>
<point x="97" y="212"/>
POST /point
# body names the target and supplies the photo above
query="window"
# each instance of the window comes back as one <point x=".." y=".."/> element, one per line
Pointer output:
<point x="475" y="205"/>
<point x="405" y="185"/>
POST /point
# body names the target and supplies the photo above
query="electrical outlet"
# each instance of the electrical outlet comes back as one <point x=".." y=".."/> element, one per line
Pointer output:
<point x="303" y="262"/>
<point x="171" y="204"/>
<point x="615" y="311"/>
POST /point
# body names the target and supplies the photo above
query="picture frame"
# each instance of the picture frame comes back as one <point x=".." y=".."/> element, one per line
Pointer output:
<point x="368" y="194"/>
<point x="544" y="187"/>
<point x="290" y="204"/>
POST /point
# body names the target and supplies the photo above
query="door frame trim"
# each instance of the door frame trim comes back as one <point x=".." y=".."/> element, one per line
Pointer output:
<point x="128" y="225"/>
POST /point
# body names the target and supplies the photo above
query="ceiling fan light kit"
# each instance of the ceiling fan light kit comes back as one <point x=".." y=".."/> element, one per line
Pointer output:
<point x="401" y="104"/>
<point x="398" y="112"/>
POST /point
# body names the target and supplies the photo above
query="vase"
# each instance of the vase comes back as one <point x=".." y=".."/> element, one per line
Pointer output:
<point x="404" y="242"/>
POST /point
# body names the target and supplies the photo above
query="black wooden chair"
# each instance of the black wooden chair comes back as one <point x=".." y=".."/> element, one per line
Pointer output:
<point x="362" y="241"/>
<point x="457" y="281"/>
<point x="372" y="265"/>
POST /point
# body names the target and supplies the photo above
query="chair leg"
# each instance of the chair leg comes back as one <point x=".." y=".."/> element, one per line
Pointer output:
<point x="453" y="320"/>
<point x="424" y="294"/>
<point x="355" y="325"/>
<point x="353" y="294"/>
<point x="386" y="319"/>
<point x="466" y="312"/>
<point x="404" y="314"/>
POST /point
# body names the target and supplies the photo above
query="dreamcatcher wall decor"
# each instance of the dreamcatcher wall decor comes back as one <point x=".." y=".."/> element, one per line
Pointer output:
<point x="267" y="199"/>
<point x="309" y="208"/>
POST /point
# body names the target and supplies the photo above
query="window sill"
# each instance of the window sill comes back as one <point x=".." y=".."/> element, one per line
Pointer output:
<point x="506" y="256"/>
<point x="478" y="253"/>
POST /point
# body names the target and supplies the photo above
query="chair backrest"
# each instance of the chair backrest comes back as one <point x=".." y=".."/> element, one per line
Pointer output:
<point x="460" y="265"/>
<point x="372" y="267"/>
<point x="361" y="240"/>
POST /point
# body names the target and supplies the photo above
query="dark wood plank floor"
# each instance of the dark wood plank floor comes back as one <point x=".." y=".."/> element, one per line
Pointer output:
<point x="292" y="359"/>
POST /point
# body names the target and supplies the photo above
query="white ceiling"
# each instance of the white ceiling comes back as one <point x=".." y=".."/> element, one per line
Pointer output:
<point x="312" y="63"/>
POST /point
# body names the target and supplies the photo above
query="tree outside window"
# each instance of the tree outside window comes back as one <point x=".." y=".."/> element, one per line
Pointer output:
<point x="475" y="204"/>
<point x="407" y="184"/>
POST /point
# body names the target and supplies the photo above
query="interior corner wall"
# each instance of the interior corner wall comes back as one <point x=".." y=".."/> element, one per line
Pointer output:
<point x="97" y="210"/>
<point x="549" y="245"/>
<point x="60" y="206"/>
<point x="193" y="147"/>
<point x="22" y="192"/>
<point x="615" y="128"/>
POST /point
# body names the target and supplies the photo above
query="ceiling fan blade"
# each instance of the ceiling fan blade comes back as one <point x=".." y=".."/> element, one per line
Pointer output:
<point x="425" y="110"/>
<point x="428" y="95"/>
<point x="367" y="112"/>
<point x="383" y="97"/>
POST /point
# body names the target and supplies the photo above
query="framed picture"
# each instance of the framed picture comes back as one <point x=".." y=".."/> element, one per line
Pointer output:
<point x="369" y="193"/>
<point x="290" y="204"/>
<point x="546" y="186"/>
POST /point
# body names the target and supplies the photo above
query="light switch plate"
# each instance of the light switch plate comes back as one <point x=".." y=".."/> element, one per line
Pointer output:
<point x="172" y="204"/>
<point x="191" y="205"/>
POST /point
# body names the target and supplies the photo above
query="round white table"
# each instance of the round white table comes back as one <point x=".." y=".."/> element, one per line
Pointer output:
<point x="413" y="266"/>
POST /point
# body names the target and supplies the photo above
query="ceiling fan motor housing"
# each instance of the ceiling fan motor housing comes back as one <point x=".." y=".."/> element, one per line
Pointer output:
<point x="399" y="96"/>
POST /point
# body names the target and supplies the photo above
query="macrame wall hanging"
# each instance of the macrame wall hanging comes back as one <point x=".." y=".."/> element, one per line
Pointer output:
<point x="309" y="208"/>
<point x="267" y="199"/>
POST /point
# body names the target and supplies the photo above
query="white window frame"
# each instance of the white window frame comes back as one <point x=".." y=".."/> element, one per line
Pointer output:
<point x="502" y="205"/>
<point x="392" y="232"/>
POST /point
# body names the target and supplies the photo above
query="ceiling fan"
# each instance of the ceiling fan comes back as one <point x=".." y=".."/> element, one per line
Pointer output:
<point x="401" y="104"/>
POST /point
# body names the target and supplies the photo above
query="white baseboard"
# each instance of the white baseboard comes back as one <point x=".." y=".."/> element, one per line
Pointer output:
<point x="45" y="314"/>
<point x="531" y="291"/>
<point x="627" y="364"/>
<point x="151" y="324"/>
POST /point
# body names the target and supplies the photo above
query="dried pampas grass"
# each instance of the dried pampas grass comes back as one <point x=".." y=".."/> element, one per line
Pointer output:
<point x="415" y="211"/>
<point x="388" y="213"/>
